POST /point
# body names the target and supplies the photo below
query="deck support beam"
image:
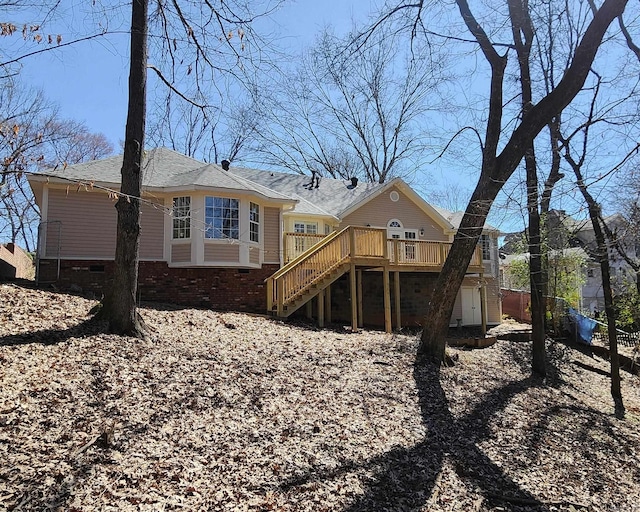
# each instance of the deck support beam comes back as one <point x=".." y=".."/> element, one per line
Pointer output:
<point x="354" y="298"/>
<point x="321" y="309"/>
<point x="359" y="286"/>
<point x="387" y="299"/>
<point x="483" y="305"/>
<point x="327" y="304"/>
<point x="396" y="296"/>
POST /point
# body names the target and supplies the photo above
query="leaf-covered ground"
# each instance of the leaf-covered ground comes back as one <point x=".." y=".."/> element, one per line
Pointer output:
<point x="234" y="412"/>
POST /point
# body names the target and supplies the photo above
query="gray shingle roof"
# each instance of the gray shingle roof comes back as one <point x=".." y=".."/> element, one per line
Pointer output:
<point x="165" y="168"/>
<point x="332" y="197"/>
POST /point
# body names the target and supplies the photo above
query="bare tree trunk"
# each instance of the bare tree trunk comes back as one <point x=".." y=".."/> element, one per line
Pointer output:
<point x="522" y="30"/>
<point x="536" y="280"/>
<point x="602" y="254"/>
<point x="603" y="257"/>
<point x="119" y="306"/>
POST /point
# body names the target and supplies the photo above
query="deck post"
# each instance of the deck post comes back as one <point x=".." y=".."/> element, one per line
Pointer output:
<point x="352" y="242"/>
<point x="285" y="249"/>
<point x="309" y="308"/>
<point x="396" y="296"/>
<point x="321" y="308"/>
<point x="354" y="299"/>
<point x="359" y="286"/>
<point x="387" y="299"/>
<point x="327" y="304"/>
<point x="483" y="305"/>
<point x="280" y="296"/>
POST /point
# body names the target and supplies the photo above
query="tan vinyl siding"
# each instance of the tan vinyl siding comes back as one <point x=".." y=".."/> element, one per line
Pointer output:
<point x="221" y="252"/>
<point x="151" y="232"/>
<point x="272" y="235"/>
<point x="88" y="224"/>
<point x="380" y="210"/>
<point x="254" y="255"/>
<point x="181" y="253"/>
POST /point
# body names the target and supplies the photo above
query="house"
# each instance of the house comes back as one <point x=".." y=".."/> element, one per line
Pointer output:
<point x="575" y="238"/>
<point x="232" y="238"/>
<point x="15" y="263"/>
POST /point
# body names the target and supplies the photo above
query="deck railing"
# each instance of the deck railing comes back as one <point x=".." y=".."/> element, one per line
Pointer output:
<point x="294" y="244"/>
<point x="401" y="252"/>
<point x="424" y="253"/>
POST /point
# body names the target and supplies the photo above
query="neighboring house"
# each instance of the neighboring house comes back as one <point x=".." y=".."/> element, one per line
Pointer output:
<point x="15" y="263"/>
<point x="573" y="236"/>
<point x="248" y="240"/>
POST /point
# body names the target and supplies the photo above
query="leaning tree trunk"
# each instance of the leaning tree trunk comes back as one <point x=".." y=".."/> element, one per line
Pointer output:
<point x="119" y="306"/>
<point x="442" y="300"/>
<point x="603" y="257"/>
<point x="496" y="170"/>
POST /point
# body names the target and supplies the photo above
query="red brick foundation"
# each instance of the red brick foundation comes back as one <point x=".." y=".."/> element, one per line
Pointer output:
<point x="227" y="289"/>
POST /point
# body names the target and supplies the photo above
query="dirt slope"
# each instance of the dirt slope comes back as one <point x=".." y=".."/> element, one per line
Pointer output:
<point x="233" y="412"/>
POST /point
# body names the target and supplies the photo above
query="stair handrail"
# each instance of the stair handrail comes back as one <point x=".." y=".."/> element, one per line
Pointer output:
<point x="306" y="254"/>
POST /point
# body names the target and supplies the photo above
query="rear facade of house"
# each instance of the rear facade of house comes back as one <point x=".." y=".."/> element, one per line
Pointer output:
<point x="259" y="241"/>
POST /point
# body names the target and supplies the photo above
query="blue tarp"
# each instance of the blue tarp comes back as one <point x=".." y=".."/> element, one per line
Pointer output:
<point x="582" y="326"/>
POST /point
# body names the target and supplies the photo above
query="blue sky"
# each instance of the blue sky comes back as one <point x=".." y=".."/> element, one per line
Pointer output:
<point x="89" y="80"/>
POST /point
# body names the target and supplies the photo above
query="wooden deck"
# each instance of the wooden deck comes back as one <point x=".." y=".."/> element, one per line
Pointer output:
<point x="314" y="262"/>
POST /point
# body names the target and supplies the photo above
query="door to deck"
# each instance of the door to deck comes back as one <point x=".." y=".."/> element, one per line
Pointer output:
<point x="471" y="310"/>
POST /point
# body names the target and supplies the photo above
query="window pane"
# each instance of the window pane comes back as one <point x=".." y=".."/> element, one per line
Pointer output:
<point x="181" y="227"/>
<point x="254" y="222"/>
<point x="221" y="218"/>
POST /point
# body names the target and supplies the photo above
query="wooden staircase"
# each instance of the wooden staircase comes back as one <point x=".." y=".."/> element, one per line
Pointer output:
<point x="304" y="277"/>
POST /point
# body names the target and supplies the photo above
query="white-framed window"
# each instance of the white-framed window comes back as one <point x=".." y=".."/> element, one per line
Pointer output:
<point x="394" y="229"/>
<point x="181" y="223"/>
<point x="221" y="218"/>
<point x="327" y="229"/>
<point x="485" y="243"/>
<point x="254" y="222"/>
<point x="409" y="247"/>
<point x="310" y="228"/>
